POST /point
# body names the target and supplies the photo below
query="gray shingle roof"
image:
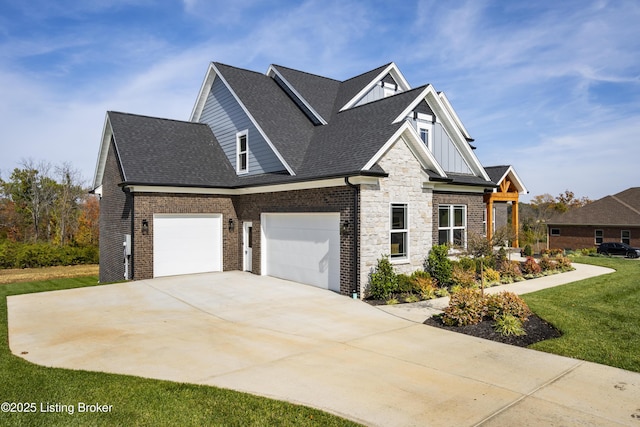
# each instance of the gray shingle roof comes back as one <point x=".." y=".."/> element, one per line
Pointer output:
<point x="496" y="172"/>
<point x="168" y="152"/>
<point x="620" y="209"/>
<point x="319" y="91"/>
<point x="262" y="96"/>
<point x="350" y="88"/>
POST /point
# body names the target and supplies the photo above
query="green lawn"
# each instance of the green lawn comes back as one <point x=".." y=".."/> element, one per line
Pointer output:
<point x="134" y="401"/>
<point x="599" y="317"/>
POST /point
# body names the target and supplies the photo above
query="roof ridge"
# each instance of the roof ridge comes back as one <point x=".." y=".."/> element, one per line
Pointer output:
<point x="622" y="202"/>
<point x="239" y="69"/>
<point x="367" y="72"/>
<point x="306" y="72"/>
<point x="385" y="98"/>
<point x="153" y="117"/>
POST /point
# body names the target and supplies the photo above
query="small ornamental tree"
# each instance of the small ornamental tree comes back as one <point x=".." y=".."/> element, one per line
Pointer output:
<point x="438" y="265"/>
<point x="383" y="281"/>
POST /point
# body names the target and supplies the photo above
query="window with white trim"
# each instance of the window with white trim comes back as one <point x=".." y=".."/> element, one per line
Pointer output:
<point x="242" y="152"/>
<point x="599" y="236"/>
<point x="399" y="231"/>
<point x="625" y="236"/>
<point x="555" y="231"/>
<point x="424" y="130"/>
<point x="452" y="225"/>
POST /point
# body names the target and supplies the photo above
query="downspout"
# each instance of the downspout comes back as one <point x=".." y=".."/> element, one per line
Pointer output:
<point x="356" y="263"/>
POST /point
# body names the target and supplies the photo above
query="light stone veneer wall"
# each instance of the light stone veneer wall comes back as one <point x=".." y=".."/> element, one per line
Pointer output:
<point x="403" y="185"/>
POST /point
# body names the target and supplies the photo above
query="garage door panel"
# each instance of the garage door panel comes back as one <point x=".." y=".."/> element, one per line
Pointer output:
<point x="303" y="248"/>
<point x="186" y="244"/>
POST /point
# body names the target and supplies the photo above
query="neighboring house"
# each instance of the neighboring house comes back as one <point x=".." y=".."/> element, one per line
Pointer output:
<point x="289" y="174"/>
<point x="610" y="219"/>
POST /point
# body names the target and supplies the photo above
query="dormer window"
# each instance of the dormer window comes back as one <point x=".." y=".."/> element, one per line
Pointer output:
<point x="242" y="150"/>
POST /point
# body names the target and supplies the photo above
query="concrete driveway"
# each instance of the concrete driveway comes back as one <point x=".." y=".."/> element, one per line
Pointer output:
<point x="306" y="345"/>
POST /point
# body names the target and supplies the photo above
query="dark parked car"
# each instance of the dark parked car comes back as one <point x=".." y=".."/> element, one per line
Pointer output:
<point x="614" y="248"/>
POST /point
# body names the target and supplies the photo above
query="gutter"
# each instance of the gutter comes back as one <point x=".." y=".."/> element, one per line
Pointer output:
<point x="356" y="263"/>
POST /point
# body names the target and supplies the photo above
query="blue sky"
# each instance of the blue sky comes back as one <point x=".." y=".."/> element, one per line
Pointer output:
<point x="550" y="87"/>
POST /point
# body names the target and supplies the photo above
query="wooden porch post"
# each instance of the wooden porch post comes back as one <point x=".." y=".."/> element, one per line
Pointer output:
<point x="514" y="222"/>
<point x="489" y="217"/>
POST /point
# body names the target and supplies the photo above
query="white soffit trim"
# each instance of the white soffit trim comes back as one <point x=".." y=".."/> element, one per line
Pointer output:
<point x="415" y="144"/>
<point x="296" y="93"/>
<point x="452" y="112"/>
<point x="390" y="69"/>
<point x="107" y="132"/>
<point x="203" y="94"/>
<point x="516" y="180"/>
<point x="422" y="95"/>
<point x="458" y="188"/>
<point x="334" y="182"/>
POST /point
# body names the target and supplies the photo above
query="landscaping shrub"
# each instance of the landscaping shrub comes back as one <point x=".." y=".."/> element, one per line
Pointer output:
<point x="438" y="265"/>
<point x="531" y="267"/>
<point x="405" y="284"/>
<point x="547" y="264"/>
<point x="33" y="255"/>
<point x="491" y="276"/>
<point x="563" y="263"/>
<point x="466" y="307"/>
<point x="509" y="325"/>
<point x="504" y="303"/>
<point x="527" y="251"/>
<point x="423" y="285"/>
<point x="466" y="263"/>
<point x="463" y="278"/>
<point x="510" y="271"/>
<point x="553" y="252"/>
<point x="383" y="281"/>
<point x="411" y="298"/>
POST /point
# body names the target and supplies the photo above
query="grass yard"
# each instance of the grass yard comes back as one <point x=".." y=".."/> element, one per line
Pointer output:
<point x="134" y="401"/>
<point x="599" y="317"/>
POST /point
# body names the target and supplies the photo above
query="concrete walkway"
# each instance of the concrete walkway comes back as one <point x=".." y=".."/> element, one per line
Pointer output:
<point x="305" y="345"/>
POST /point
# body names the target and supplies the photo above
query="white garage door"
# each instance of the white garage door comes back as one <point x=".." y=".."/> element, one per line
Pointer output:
<point x="302" y="247"/>
<point x="186" y="243"/>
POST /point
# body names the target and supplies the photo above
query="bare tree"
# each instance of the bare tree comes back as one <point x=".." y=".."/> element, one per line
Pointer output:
<point x="67" y="205"/>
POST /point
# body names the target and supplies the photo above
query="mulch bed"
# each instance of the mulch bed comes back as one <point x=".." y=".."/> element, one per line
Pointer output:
<point x="537" y="330"/>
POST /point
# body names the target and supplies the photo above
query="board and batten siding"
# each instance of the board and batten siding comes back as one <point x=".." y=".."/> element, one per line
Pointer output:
<point x="446" y="153"/>
<point x="226" y="118"/>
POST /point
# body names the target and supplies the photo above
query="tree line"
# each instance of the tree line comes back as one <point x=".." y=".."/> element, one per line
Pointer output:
<point x="45" y="203"/>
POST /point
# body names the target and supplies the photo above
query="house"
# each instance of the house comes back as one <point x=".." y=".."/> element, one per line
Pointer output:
<point x="292" y="175"/>
<point x="613" y="218"/>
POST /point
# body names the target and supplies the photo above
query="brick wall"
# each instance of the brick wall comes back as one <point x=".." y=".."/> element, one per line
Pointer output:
<point x="335" y="199"/>
<point x="147" y="204"/>
<point x="475" y="208"/>
<point x="115" y="221"/>
<point x="579" y="237"/>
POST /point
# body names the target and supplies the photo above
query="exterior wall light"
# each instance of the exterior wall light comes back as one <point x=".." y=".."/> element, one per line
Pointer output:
<point x="145" y="226"/>
<point x="231" y="225"/>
